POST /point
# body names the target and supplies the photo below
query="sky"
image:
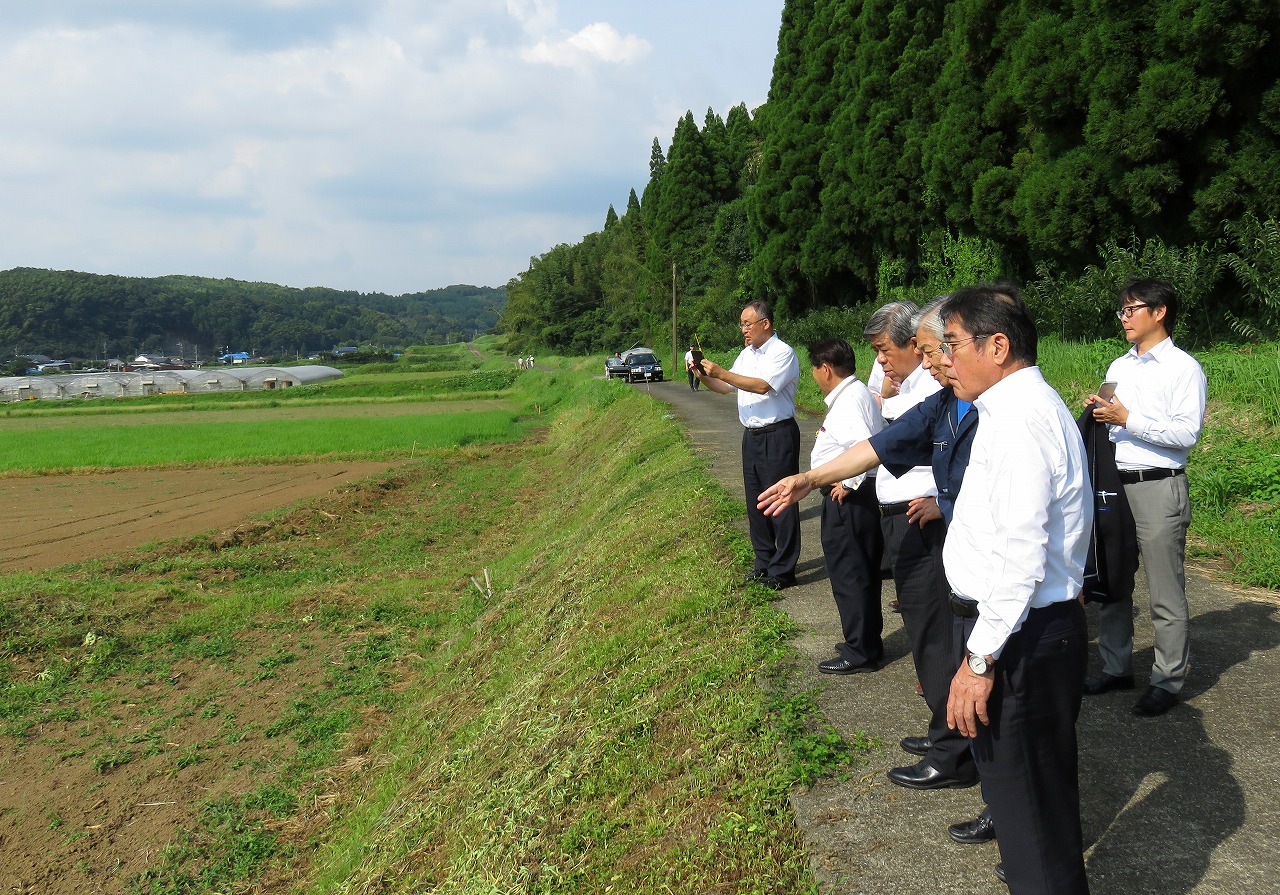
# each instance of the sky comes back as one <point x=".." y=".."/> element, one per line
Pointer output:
<point x="374" y="145"/>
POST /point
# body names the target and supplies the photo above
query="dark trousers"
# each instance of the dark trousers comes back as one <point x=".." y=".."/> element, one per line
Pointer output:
<point x="1027" y="754"/>
<point x="766" y="458"/>
<point x="924" y="598"/>
<point x="693" y="381"/>
<point x="851" y="545"/>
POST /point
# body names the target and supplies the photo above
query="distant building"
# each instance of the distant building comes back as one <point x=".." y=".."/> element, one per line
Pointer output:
<point x="155" y="362"/>
<point x="42" y="364"/>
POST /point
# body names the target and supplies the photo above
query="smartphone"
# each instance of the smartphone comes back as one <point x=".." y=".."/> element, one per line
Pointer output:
<point x="698" y="355"/>
<point x="1107" y="391"/>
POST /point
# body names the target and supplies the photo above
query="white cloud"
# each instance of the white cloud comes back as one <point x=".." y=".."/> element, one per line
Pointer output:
<point x="598" y="42"/>
<point x="382" y="145"/>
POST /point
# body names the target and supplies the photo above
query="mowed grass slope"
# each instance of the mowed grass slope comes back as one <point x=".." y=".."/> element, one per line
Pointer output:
<point x="365" y="719"/>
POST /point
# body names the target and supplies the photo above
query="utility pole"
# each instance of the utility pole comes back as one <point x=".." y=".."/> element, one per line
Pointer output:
<point x="675" y="337"/>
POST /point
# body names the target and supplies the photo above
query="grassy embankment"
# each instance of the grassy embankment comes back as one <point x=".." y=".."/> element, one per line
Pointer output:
<point x="595" y="723"/>
<point x="1234" y="473"/>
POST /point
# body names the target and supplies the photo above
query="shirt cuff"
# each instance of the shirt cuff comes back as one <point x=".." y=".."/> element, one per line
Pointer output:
<point x="988" y="638"/>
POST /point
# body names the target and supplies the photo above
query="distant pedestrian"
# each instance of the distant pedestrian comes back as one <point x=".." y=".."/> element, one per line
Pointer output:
<point x="764" y="379"/>
<point x="694" y="384"/>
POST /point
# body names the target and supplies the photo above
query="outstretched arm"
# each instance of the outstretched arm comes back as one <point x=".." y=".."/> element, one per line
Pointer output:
<point x="858" y="459"/>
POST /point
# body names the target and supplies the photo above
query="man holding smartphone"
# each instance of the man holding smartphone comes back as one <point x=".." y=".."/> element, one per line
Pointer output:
<point x="764" y="378"/>
<point x="1154" y="419"/>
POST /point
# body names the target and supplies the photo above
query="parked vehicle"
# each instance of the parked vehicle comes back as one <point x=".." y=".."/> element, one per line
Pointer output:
<point x="642" y="364"/>
<point x="616" y="368"/>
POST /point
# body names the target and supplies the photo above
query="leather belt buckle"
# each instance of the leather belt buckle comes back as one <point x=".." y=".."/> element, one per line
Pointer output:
<point x="963" y="607"/>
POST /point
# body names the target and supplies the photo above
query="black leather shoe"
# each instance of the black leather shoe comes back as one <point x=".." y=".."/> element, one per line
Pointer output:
<point x="926" y="776"/>
<point x="758" y="575"/>
<point x="1104" y="682"/>
<point x="981" y="829"/>
<point x="1000" y="874"/>
<point x="916" y="745"/>
<point x="841" y="665"/>
<point x="777" y="583"/>
<point x="1155" y="702"/>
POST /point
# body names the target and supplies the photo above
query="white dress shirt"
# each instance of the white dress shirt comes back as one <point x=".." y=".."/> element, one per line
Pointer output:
<point x="776" y="364"/>
<point x="852" y="416"/>
<point x="918" y="481"/>
<point x="1164" y="390"/>
<point x="1020" y="533"/>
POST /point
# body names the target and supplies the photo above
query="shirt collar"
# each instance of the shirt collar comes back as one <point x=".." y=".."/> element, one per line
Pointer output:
<point x="1157" y="352"/>
<point x="830" y="397"/>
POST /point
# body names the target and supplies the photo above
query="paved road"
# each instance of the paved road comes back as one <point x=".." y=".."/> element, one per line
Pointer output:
<point x="1184" y="803"/>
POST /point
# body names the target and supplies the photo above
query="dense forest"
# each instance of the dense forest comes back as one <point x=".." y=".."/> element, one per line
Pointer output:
<point x="907" y="148"/>
<point x="64" y="314"/>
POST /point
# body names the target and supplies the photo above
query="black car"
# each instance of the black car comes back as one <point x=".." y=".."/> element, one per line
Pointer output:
<point x="643" y="365"/>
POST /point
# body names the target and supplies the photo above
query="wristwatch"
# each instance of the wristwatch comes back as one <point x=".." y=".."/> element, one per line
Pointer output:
<point x="978" y="664"/>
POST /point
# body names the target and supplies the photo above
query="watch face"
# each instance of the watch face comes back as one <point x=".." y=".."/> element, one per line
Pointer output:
<point x="977" y="664"/>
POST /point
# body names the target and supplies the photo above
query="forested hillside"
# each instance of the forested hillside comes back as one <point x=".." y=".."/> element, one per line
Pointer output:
<point x="909" y="147"/>
<point x="69" y="314"/>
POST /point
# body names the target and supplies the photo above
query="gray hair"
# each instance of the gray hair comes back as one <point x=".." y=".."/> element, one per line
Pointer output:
<point x="930" y="318"/>
<point x="895" y="321"/>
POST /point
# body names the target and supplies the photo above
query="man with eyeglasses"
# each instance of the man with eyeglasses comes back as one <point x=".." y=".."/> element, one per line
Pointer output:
<point x="1154" y="419"/>
<point x="764" y="378"/>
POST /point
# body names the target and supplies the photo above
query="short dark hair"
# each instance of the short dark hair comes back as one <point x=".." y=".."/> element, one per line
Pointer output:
<point x="1154" y="294"/>
<point x="761" y="309"/>
<point x="991" y="308"/>
<point x="836" y="352"/>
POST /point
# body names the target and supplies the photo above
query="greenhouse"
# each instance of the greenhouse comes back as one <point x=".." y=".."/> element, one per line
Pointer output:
<point x="160" y="382"/>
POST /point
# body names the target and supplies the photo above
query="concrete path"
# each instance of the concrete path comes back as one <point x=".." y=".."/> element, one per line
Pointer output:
<point x="1184" y="803"/>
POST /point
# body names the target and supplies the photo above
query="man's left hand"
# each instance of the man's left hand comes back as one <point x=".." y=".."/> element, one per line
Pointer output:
<point x="923" y="510"/>
<point x="1112" y="412"/>
<point x="967" y="704"/>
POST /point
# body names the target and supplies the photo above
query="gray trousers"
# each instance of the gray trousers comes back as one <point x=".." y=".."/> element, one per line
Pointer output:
<point x="1162" y="512"/>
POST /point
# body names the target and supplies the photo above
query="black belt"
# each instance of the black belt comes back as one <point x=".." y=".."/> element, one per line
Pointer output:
<point x="1152" y="474"/>
<point x="894" y="509"/>
<point x="772" y="427"/>
<point x="963" y="606"/>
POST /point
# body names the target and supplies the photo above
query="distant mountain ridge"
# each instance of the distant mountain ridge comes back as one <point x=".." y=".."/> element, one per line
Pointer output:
<point x="83" y="315"/>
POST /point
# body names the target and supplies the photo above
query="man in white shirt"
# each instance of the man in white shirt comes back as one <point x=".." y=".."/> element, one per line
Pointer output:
<point x="914" y="533"/>
<point x="688" y="365"/>
<point x="1154" y="419"/>
<point x="1015" y="558"/>
<point x="764" y="378"/>
<point x="851" y="536"/>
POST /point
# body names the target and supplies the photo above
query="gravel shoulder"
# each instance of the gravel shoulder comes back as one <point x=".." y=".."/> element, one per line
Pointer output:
<point x="1183" y="803"/>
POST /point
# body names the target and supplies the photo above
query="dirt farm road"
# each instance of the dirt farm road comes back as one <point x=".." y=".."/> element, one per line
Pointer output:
<point x="1182" y="804"/>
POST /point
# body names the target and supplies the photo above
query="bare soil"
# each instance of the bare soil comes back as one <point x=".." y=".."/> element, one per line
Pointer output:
<point x="93" y="792"/>
<point x="56" y="519"/>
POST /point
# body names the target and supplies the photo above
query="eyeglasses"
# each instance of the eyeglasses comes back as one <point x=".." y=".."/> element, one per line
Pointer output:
<point x="747" y="324"/>
<point x="949" y="348"/>
<point x="1129" y="310"/>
